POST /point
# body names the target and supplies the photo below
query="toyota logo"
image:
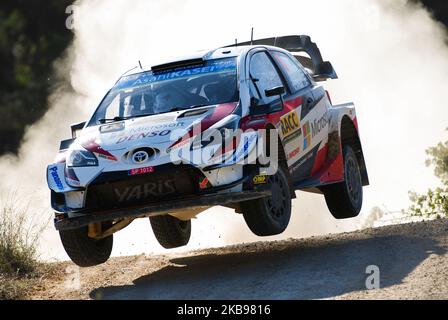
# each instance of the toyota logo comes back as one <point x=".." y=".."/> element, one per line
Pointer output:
<point x="140" y="156"/>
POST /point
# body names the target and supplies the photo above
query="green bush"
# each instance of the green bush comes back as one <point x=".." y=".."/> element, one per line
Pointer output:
<point x="32" y="36"/>
<point x="18" y="240"/>
<point x="18" y="248"/>
<point x="434" y="204"/>
<point x="12" y="287"/>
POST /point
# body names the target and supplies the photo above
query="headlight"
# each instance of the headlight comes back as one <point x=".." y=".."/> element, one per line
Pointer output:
<point x="229" y="129"/>
<point x="226" y="127"/>
<point x="81" y="158"/>
<point x="228" y="123"/>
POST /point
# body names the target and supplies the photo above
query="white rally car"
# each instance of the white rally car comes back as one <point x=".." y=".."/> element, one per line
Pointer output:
<point x="241" y="126"/>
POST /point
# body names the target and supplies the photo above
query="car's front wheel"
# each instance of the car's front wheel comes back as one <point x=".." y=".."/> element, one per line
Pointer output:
<point x="171" y="232"/>
<point x="344" y="200"/>
<point x="83" y="250"/>
<point x="270" y="215"/>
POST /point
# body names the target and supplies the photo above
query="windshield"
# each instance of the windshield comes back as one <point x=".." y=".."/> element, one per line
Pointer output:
<point x="148" y="93"/>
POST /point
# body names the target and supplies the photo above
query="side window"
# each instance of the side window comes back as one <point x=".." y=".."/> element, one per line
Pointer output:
<point x="294" y="73"/>
<point x="264" y="76"/>
<point x="113" y="108"/>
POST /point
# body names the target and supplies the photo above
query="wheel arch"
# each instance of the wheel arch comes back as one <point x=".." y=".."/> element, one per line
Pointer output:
<point x="282" y="160"/>
<point x="350" y="137"/>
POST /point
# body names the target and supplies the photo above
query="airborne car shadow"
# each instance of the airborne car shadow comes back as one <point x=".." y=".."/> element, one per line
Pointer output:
<point x="302" y="271"/>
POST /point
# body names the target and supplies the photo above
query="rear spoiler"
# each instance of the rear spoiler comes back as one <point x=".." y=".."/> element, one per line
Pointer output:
<point x="321" y="70"/>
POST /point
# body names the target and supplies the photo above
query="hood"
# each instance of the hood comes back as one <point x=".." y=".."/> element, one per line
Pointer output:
<point x="151" y="131"/>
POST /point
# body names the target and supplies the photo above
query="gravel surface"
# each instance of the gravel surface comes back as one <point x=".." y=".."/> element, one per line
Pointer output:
<point x="412" y="261"/>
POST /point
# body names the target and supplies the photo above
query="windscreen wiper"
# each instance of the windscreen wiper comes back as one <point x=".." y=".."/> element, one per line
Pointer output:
<point x="198" y="106"/>
<point x="102" y="121"/>
<point x="115" y="119"/>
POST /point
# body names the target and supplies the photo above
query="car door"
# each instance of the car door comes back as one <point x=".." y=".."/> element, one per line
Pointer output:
<point x="265" y="110"/>
<point x="305" y="148"/>
<point x="264" y="76"/>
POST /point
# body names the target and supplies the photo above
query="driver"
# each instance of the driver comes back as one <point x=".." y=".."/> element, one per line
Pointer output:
<point x="212" y="92"/>
<point x="165" y="102"/>
<point x="135" y="106"/>
<point x="220" y="91"/>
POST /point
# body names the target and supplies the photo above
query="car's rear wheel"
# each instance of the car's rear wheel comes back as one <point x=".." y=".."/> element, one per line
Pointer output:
<point x="270" y="215"/>
<point x="83" y="250"/>
<point x="171" y="232"/>
<point x="344" y="200"/>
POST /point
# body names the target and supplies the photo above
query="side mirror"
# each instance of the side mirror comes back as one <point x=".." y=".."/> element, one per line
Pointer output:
<point x="277" y="91"/>
<point x="256" y="108"/>
<point x="254" y="102"/>
<point x="259" y="110"/>
<point x="76" y="128"/>
<point x="65" y="144"/>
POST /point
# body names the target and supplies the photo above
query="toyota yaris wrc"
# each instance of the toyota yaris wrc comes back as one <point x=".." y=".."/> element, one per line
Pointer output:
<point x="242" y="126"/>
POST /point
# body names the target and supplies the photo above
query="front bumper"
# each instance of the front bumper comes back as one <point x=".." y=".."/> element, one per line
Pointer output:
<point x="169" y="188"/>
<point x="62" y="222"/>
<point x="120" y="190"/>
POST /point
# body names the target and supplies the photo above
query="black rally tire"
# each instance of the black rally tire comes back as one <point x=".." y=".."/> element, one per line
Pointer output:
<point x="85" y="251"/>
<point x="270" y="215"/>
<point x="171" y="232"/>
<point x="344" y="200"/>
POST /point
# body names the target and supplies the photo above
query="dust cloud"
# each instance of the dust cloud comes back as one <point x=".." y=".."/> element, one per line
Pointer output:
<point x="390" y="56"/>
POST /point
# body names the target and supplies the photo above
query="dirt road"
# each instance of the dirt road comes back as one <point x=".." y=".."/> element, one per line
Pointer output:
<point x="412" y="260"/>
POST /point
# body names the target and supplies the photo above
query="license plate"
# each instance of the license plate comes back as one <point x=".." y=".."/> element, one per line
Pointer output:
<point x="145" y="170"/>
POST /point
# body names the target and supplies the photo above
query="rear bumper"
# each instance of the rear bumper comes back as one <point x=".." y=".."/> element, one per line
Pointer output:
<point x="63" y="222"/>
